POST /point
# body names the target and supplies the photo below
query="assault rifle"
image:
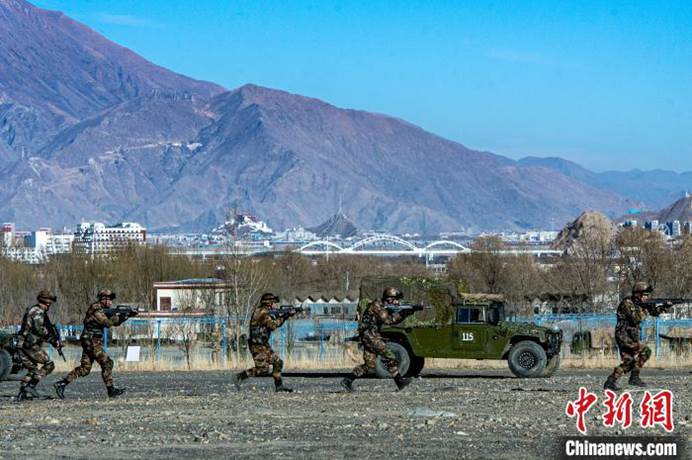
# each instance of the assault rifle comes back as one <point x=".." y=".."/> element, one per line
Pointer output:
<point x="285" y="311"/>
<point x="407" y="308"/>
<point x="123" y="311"/>
<point x="54" y="336"/>
<point x="657" y="306"/>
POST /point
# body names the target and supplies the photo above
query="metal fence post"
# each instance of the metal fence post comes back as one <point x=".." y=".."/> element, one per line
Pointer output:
<point x="321" y="344"/>
<point x="158" y="340"/>
<point x="282" y="341"/>
<point x="658" y="337"/>
<point x="224" y="340"/>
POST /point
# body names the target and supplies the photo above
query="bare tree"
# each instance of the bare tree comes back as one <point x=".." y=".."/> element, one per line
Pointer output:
<point x="482" y="270"/>
<point x="245" y="278"/>
<point x="643" y="257"/>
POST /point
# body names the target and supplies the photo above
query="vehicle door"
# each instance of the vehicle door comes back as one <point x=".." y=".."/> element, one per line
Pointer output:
<point x="469" y="331"/>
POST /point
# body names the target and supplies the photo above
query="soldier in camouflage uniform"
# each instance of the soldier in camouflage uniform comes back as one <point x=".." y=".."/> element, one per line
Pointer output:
<point x="34" y="331"/>
<point x="261" y="326"/>
<point x="371" y="321"/>
<point x="627" y="332"/>
<point x="92" y="345"/>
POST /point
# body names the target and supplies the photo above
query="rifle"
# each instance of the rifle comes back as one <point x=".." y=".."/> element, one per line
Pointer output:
<point x="123" y="311"/>
<point x="407" y="308"/>
<point x="657" y="306"/>
<point x="54" y="335"/>
<point x="285" y="311"/>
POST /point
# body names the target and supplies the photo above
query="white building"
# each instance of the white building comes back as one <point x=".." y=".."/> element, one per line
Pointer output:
<point x="95" y="237"/>
<point x="34" y="247"/>
<point x="191" y="294"/>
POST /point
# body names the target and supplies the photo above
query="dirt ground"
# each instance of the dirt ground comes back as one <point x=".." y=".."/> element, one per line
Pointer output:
<point x="479" y="414"/>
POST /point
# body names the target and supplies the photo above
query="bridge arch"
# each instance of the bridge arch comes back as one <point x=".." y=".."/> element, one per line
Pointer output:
<point x="315" y="245"/>
<point x="436" y="244"/>
<point x="385" y="239"/>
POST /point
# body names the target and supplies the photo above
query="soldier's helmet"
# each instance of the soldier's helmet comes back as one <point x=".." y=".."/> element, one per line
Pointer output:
<point x="105" y="294"/>
<point x="46" y="296"/>
<point x="392" y="293"/>
<point x="640" y="287"/>
<point x="268" y="298"/>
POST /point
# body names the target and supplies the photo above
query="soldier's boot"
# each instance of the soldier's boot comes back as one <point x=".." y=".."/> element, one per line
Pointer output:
<point x="401" y="382"/>
<point x="237" y="379"/>
<point x="635" y="380"/>
<point x="611" y="384"/>
<point x="115" y="392"/>
<point x="60" y="388"/>
<point x="23" y="395"/>
<point x="279" y="387"/>
<point x="347" y="382"/>
<point x="31" y="389"/>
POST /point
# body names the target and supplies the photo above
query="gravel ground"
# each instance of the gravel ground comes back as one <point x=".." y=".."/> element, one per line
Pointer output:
<point x="487" y="414"/>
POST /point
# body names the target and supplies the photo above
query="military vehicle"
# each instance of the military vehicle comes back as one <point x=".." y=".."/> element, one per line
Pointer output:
<point x="10" y="361"/>
<point x="464" y="326"/>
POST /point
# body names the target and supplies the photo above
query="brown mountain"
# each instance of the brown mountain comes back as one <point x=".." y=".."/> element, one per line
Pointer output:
<point x="94" y="131"/>
<point x="55" y="72"/>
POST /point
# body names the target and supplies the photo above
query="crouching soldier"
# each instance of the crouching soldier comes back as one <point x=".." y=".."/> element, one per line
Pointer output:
<point x="92" y="345"/>
<point x="261" y="326"/>
<point x="633" y="352"/>
<point x="371" y="321"/>
<point x="35" y="330"/>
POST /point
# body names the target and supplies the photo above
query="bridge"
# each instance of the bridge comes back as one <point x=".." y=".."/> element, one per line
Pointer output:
<point x="391" y="245"/>
<point x="375" y="245"/>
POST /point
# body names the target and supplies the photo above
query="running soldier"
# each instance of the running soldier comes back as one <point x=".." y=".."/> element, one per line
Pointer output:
<point x="633" y="352"/>
<point x="261" y="326"/>
<point x="371" y="321"/>
<point x="35" y="330"/>
<point x="92" y="345"/>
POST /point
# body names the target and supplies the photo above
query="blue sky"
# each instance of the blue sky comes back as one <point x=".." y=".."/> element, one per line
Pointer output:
<point x="607" y="84"/>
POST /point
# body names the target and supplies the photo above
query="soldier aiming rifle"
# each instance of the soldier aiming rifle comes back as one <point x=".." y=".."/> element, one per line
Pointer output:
<point x="376" y="314"/>
<point x="36" y="328"/>
<point x="633" y="352"/>
<point x="96" y="319"/>
<point x="266" y="318"/>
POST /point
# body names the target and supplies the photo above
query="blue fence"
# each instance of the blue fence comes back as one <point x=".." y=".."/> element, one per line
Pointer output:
<point x="317" y="333"/>
<point x="318" y="336"/>
<point x="602" y="326"/>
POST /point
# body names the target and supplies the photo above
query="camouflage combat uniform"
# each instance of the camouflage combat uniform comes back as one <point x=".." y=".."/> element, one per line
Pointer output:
<point x="92" y="345"/>
<point x="371" y="321"/>
<point x="34" y="333"/>
<point x="629" y="319"/>
<point x="261" y="326"/>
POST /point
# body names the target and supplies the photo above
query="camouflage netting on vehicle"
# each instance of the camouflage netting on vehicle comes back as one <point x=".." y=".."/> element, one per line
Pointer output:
<point x="6" y="336"/>
<point x="438" y="297"/>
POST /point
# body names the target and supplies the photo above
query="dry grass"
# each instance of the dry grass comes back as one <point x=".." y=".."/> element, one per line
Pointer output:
<point x="347" y="358"/>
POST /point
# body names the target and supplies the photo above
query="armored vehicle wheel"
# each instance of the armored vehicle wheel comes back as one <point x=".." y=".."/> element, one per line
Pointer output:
<point x="417" y="364"/>
<point x="527" y="359"/>
<point x="402" y="358"/>
<point x="5" y="364"/>
<point x="552" y="366"/>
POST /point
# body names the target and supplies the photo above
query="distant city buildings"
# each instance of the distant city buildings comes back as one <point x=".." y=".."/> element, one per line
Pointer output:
<point x="33" y="247"/>
<point x="97" y="238"/>
<point x="673" y="229"/>
<point x="530" y="237"/>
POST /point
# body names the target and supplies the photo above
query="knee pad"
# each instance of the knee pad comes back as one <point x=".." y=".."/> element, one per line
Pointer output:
<point x="645" y="354"/>
<point x="49" y="367"/>
<point x="83" y="371"/>
<point x="628" y="364"/>
<point x="278" y="365"/>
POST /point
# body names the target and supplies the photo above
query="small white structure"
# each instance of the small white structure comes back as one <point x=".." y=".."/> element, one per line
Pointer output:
<point x="190" y="294"/>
